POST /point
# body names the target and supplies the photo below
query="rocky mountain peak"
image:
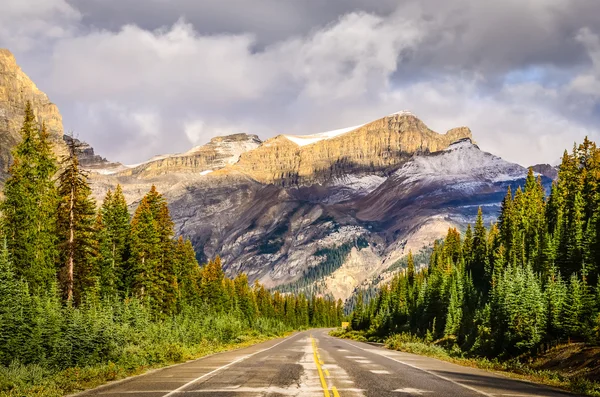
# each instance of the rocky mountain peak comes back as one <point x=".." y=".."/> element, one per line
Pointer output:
<point x="546" y="170"/>
<point x="15" y="90"/>
<point x="240" y="137"/>
<point x="372" y="147"/>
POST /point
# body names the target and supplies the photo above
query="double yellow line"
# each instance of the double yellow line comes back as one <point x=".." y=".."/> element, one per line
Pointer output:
<point x="319" y="362"/>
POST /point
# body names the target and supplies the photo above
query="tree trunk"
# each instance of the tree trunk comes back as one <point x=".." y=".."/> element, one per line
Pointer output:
<point x="71" y="250"/>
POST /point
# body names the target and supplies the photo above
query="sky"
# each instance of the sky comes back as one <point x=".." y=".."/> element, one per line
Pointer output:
<point x="137" y="78"/>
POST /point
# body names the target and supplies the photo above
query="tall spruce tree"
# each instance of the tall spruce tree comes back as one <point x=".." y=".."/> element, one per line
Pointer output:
<point x="112" y="230"/>
<point x="29" y="207"/>
<point x="76" y="210"/>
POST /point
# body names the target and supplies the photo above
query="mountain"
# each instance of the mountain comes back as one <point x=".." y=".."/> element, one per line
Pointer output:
<point x="15" y="90"/>
<point x="378" y="146"/>
<point x="331" y="230"/>
<point x="321" y="213"/>
<point x="549" y="171"/>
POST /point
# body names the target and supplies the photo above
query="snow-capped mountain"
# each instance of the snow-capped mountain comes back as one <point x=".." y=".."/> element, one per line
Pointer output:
<point x="323" y="212"/>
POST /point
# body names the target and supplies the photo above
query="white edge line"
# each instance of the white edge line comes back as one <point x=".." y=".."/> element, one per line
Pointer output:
<point x="179" y="389"/>
<point x="424" y="370"/>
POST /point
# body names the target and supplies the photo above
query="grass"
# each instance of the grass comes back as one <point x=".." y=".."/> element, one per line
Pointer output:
<point x="19" y="380"/>
<point x="512" y="368"/>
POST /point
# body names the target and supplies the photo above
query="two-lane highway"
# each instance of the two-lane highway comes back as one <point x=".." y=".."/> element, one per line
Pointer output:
<point x="312" y="363"/>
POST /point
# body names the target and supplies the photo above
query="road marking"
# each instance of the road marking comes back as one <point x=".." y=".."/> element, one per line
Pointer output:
<point x="214" y="371"/>
<point x="381" y="372"/>
<point x="335" y="391"/>
<point x="327" y="373"/>
<point x="319" y="370"/>
<point x="262" y="390"/>
<point x="417" y="392"/>
<point x="421" y="369"/>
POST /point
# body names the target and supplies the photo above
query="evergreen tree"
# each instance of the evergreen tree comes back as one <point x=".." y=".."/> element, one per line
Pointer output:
<point x="410" y="269"/>
<point x="113" y="243"/>
<point x="75" y="212"/>
<point x="211" y="290"/>
<point x="480" y="255"/>
<point x="144" y="252"/>
<point x="29" y="207"/>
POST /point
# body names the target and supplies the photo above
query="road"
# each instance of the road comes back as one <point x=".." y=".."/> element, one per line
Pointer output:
<point x="312" y="363"/>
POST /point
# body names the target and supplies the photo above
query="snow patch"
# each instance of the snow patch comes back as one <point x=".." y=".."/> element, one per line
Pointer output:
<point x="155" y="158"/>
<point x="108" y="171"/>
<point x="353" y="186"/>
<point x="303" y="140"/>
<point x="105" y="171"/>
<point x="365" y="184"/>
<point x="462" y="164"/>
<point x="402" y="113"/>
<point x="206" y="172"/>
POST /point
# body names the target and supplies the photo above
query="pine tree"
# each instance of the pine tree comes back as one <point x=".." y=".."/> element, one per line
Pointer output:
<point x="113" y="243"/>
<point x="12" y="321"/>
<point x="29" y="207"/>
<point x="480" y="255"/>
<point x="211" y="289"/>
<point x="246" y="300"/>
<point x="556" y="296"/>
<point x="410" y="269"/>
<point x="506" y="222"/>
<point x="187" y="272"/>
<point x="144" y="252"/>
<point x="76" y="210"/>
<point x="454" y="316"/>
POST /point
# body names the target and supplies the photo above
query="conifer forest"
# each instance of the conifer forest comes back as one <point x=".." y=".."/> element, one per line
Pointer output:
<point x="517" y="286"/>
<point x="89" y="289"/>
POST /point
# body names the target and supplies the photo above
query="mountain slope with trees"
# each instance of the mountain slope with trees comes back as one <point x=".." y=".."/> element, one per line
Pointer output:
<point x="88" y="294"/>
<point x="529" y="281"/>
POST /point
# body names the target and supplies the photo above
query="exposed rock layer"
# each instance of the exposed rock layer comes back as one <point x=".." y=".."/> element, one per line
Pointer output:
<point x="376" y="146"/>
<point x="271" y="208"/>
<point x="15" y="90"/>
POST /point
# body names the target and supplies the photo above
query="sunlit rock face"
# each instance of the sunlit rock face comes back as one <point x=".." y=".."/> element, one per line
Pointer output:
<point x="318" y="213"/>
<point x="15" y="90"/>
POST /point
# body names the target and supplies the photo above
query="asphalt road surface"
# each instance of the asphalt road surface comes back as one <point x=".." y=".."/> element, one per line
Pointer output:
<point x="312" y="363"/>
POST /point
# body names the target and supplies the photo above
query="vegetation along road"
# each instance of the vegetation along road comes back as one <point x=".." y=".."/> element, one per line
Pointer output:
<point x="312" y="363"/>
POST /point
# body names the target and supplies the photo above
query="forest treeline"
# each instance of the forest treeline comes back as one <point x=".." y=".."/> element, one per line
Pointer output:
<point x="84" y="285"/>
<point x="530" y="279"/>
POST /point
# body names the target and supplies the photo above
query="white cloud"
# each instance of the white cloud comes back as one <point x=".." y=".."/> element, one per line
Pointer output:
<point x="31" y="24"/>
<point x="588" y="82"/>
<point x="133" y="92"/>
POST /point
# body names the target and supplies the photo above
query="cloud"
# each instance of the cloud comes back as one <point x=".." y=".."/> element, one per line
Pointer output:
<point x="27" y="25"/>
<point x="588" y="82"/>
<point x="525" y="76"/>
<point x="181" y="74"/>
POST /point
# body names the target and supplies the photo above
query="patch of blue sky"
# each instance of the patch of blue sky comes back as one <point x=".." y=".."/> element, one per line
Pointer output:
<point x="544" y="75"/>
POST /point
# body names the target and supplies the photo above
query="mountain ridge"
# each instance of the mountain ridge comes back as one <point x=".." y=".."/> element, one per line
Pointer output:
<point x="323" y="214"/>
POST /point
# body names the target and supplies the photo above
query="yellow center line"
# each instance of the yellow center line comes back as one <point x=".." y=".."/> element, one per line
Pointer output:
<point x="320" y="370"/>
<point x="335" y="392"/>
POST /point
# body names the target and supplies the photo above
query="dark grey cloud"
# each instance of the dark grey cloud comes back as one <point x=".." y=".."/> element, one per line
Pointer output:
<point x="141" y="77"/>
<point x="269" y="20"/>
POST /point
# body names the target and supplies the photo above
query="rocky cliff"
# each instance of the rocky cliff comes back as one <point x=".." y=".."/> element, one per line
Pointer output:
<point x="218" y="153"/>
<point x="380" y="145"/>
<point x="318" y="213"/>
<point x="15" y="90"/>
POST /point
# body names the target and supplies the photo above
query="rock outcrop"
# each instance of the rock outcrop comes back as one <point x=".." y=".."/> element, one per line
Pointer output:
<point x="381" y="145"/>
<point x="15" y="90"/>
<point x="546" y="170"/>
<point x="218" y="153"/>
<point x="318" y="213"/>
